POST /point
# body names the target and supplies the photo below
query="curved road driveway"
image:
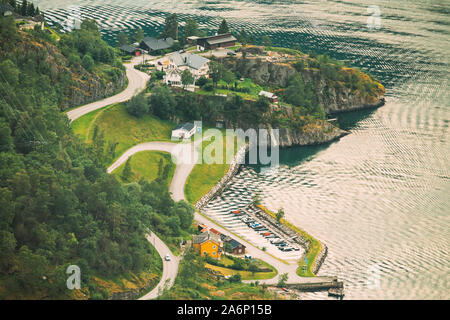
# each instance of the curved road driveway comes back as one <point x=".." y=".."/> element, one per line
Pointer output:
<point x="137" y="81"/>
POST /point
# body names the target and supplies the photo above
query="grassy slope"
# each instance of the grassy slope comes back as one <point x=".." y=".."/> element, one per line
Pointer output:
<point x="145" y="165"/>
<point x="311" y="254"/>
<point x="118" y="126"/>
<point x="205" y="176"/>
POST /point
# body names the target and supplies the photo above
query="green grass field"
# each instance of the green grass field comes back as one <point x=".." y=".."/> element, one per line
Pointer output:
<point x="145" y="165"/>
<point x="246" y="275"/>
<point x="204" y="176"/>
<point x="81" y="125"/>
<point x="118" y="126"/>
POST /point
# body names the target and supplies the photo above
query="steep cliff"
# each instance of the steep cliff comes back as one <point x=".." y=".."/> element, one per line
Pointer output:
<point x="311" y="134"/>
<point x="337" y="88"/>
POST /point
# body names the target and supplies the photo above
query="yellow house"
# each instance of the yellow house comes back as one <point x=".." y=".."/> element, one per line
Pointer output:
<point x="208" y="243"/>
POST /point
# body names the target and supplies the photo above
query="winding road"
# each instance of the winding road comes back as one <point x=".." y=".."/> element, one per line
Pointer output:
<point x="137" y="81"/>
<point x="186" y="156"/>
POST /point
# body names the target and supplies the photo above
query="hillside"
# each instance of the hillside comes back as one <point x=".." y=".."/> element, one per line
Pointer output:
<point x="59" y="207"/>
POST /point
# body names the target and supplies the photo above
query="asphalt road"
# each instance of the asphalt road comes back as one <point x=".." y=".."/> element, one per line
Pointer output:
<point x="137" y="81"/>
<point x="170" y="268"/>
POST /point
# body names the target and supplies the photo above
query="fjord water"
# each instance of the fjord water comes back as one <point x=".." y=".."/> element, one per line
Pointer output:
<point x="379" y="197"/>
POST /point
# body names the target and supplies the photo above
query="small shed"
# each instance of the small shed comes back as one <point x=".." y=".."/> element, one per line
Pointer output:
<point x="269" y="95"/>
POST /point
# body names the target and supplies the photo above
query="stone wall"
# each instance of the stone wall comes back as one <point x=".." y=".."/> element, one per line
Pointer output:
<point x="232" y="170"/>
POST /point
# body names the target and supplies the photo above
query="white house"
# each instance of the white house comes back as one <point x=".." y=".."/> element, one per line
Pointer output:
<point x="197" y="65"/>
<point x="173" y="78"/>
<point x="184" y="130"/>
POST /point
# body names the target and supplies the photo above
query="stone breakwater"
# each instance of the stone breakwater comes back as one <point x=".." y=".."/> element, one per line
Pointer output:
<point x="289" y="233"/>
<point x="320" y="258"/>
<point x="235" y="164"/>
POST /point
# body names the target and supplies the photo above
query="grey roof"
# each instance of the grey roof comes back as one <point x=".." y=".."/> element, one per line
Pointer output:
<point x="228" y="38"/>
<point x="158" y="44"/>
<point x="191" y="60"/>
<point x="188" y="126"/>
<point x="128" y="48"/>
<point x="205" y="236"/>
<point x="235" y="244"/>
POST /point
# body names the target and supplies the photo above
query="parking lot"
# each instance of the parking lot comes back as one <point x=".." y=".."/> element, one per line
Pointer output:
<point x="250" y="228"/>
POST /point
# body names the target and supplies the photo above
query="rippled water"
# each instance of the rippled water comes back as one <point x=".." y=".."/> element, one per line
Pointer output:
<point x="379" y="198"/>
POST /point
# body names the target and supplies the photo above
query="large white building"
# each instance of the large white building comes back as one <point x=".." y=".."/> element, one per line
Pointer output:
<point x="178" y="62"/>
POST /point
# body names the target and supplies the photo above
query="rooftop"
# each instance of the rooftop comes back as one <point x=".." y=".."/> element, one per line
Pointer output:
<point x="188" y="126"/>
<point x="191" y="60"/>
<point x="203" y="237"/>
<point x="158" y="44"/>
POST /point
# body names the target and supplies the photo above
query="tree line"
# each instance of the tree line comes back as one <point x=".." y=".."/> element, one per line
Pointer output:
<point x="24" y="8"/>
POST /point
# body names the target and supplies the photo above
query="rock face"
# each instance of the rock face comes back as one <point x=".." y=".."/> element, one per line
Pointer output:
<point x="313" y="134"/>
<point x="84" y="92"/>
<point x="334" y="98"/>
<point x="78" y="85"/>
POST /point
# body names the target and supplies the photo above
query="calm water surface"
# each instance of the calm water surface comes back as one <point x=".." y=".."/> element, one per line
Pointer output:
<point x="379" y="198"/>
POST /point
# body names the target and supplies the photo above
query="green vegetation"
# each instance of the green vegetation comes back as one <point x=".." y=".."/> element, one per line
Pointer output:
<point x="148" y="165"/>
<point x="59" y="206"/>
<point x="223" y="28"/>
<point x="207" y="174"/>
<point x="116" y="127"/>
<point x="195" y="282"/>
<point x="304" y="269"/>
<point x="248" y="270"/>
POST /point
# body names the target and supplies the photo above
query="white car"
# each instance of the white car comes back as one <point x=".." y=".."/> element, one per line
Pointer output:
<point x="167" y="257"/>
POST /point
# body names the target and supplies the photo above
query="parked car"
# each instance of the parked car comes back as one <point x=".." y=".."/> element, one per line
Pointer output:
<point x="275" y="241"/>
<point x="247" y="256"/>
<point x="167" y="257"/>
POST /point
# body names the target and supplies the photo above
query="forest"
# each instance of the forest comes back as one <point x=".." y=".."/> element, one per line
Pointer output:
<point x="58" y="206"/>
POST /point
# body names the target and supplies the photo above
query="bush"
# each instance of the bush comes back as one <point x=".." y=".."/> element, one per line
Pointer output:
<point x="202" y="81"/>
<point x="138" y="106"/>
<point x="235" y="278"/>
<point x="208" y="87"/>
<point x="88" y="63"/>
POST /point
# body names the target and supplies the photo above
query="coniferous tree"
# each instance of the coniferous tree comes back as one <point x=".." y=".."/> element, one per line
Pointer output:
<point x="127" y="172"/>
<point x="30" y="10"/>
<point x="171" y="27"/>
<point x="223" y="28"/>
<point x="138" y="35"/>
<point x="122" y="39"/>
<point x="23" y="8"/>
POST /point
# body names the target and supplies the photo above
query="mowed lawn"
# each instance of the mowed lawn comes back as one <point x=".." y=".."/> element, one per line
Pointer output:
<point x="124" y="129"/>
<point x="246" y="275"/>
<point x="205" y="176"/>
<point x="81" y="125"/>
<point x="145" y="165"/>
